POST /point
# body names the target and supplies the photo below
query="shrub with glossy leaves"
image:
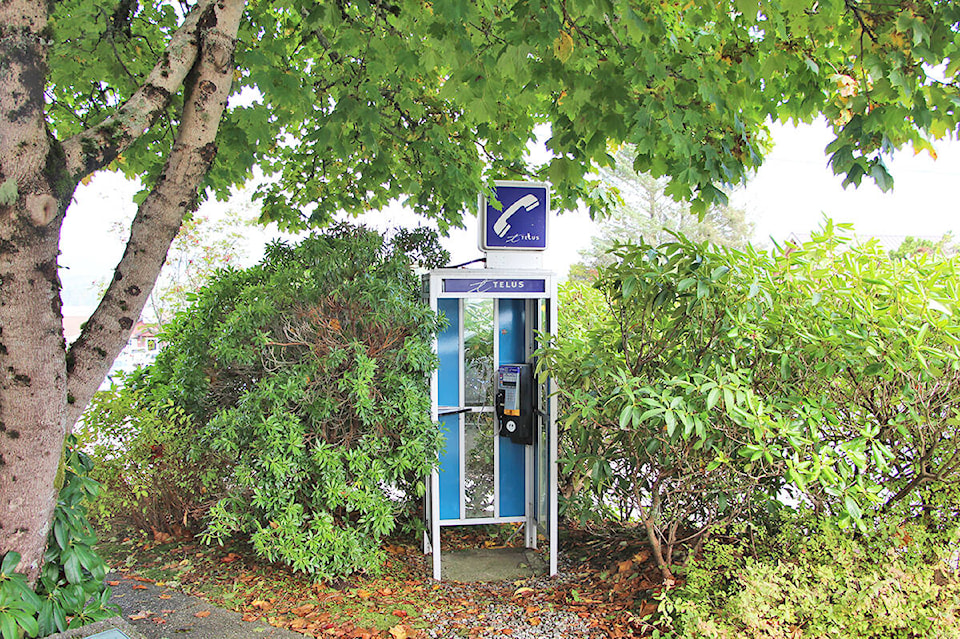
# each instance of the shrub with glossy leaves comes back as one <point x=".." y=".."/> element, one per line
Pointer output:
<point x="307" y="375"/>
<point x="711" y="382"/>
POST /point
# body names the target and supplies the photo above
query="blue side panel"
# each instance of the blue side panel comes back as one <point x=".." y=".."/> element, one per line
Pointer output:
<point x="448" y="348"/>
<point x="512" y="459"/>
<point x="450" y="468"/>
<point x="448" y="393"/>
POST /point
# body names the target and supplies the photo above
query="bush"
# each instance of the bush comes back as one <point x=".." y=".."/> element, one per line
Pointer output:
<point x="813" y="580"/>
<point x="711" y="385"/>
<point x="154" y="477"/>
<point x="307" y="377"/>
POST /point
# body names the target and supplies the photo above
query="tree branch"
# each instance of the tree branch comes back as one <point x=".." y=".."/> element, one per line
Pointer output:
<point x="99" y="145"/>
<point x="159" y="217"/>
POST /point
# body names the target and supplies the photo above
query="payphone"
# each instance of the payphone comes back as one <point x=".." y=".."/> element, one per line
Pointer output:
<point x="514" y="403"/>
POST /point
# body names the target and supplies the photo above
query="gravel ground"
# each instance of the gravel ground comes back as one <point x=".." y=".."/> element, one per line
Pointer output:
<point x="506" y="609"/>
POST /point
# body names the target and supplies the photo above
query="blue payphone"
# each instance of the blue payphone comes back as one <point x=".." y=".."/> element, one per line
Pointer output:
<point x="498" y="463"/>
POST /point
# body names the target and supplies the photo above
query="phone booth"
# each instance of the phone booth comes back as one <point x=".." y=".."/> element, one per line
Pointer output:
<point x="498" y="463"/>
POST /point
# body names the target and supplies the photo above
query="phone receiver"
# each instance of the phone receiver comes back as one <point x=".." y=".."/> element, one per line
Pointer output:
<point x="528" y="201"/>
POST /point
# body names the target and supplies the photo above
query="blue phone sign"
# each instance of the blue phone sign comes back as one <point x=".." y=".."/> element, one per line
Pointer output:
<point x="522" y="221"/>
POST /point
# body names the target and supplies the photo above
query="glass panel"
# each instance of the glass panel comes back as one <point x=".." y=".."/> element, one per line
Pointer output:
<point x="478" y="478"/>
<point x="543" y="442"/>
<point x="478" y="352"/>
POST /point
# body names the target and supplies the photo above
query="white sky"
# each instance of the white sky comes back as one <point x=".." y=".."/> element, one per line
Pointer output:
<point x="790" y="193"/>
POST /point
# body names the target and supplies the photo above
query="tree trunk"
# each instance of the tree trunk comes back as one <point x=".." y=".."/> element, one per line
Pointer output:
<point x="32" y="365"/>
<point x="42" y="389"/>
<point x="159" y="217"/>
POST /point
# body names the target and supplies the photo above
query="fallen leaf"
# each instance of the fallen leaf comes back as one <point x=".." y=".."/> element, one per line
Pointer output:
<point x="262" y="605"/>
<point x="520" y="591"/>
<point x="159" y="620"/>
<point x="230" y="557"/>
<point x="139" y="616"/>
<point x="113" y="583"/>
<point x="399" y="632"/>
<point x="624" y="566"/>
<point x="364" y="594"/>
<point x="304" y="610"/>
<point x="202" y="614"/>
<point x="250" y="617"/>
<point x="534" y="621"/>
<point x="399" y="613"/>
<point x="165" y="597"/>
<point x="139" y="587"/>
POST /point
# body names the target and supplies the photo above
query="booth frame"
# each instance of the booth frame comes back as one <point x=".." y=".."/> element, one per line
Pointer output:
<point x="433" y="291"/>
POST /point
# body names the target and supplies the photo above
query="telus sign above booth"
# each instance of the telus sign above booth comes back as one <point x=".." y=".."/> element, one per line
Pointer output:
<point x="521" y="222"/>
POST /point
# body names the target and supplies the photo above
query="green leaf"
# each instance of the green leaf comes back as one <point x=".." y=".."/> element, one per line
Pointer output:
<point x="8" y="627"/>
<point x="71" y="567"/>
<point x="671" y="422"/>
<point x="852" y="507"/>
<point x="10" y="562"/>
<point x="626" y="415"/>
<point x="713" y="397"/>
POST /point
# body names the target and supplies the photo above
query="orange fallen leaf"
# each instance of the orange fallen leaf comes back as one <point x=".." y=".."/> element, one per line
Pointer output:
<point x="139" y="587"/>
<point x="139" y="616"/>
<point x="400" y="632"/>
<point x="202" y="614"/>
<point x="232" y="556"/>
<point x="165" y="596"/>
<point x="113" y="583"/>
<point x="534" y="621"/>
<point x="250" y="617"/>
<point x="159" y="620"/>
<point x="304" y="610"/>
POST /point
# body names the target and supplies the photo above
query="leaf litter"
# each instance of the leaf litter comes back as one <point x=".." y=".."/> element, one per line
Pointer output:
<point x="605" y="589"/>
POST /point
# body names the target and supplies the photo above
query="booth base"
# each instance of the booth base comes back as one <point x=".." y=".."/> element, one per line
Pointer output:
<point x="492" y="564"/>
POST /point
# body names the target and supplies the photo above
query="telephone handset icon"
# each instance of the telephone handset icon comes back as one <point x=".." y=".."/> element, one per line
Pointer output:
<point x="528" y="202"/>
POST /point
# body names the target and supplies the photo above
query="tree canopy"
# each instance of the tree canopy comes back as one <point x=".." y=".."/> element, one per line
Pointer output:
<point x="345" y="105"/>
<point x="643" y="211"/>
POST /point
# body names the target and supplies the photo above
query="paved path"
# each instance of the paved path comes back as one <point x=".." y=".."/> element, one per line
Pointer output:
<point x="164" y="613"/>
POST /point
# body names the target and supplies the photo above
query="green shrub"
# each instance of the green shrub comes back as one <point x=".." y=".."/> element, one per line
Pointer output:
<point x="813" y="580"/>
<point x="709" y="384"/>
<point x="153" y="476"/>
<point x="306" y="376"/>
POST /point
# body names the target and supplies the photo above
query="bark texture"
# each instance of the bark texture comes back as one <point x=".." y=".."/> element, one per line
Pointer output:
<point x="43" y="388"/>
<point x="159" y="217"/>
<point x="32" y="369"/>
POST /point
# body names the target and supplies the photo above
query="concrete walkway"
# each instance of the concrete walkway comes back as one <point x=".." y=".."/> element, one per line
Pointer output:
<point x="164" y="613"/>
